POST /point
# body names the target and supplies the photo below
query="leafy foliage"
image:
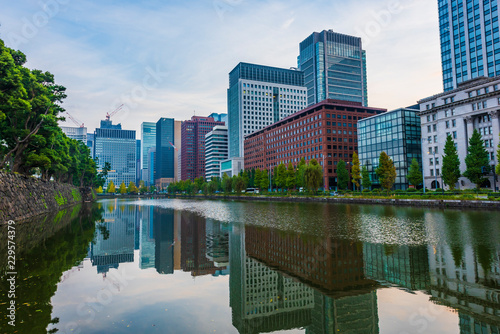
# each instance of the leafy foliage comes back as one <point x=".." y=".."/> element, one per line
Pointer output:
<point x="386" y="171"/>
<point x="451" y="164"/>
<point x="414" y="174"/>
<point x="313" y="176"/>
<point x="365" y="178"/>
<point x="342" y="175"/>
<point x="355" y="170"/>
<point x="477" y="160"/>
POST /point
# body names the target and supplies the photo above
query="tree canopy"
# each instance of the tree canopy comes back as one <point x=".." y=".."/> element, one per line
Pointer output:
<point x="477" y="160"/>
<point x="451" y="164"/>
<point x="386" y="171"/>
<point x="414" y="173"/>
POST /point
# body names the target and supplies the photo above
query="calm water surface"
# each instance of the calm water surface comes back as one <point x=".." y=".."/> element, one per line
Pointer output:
<point x="193" y="266"/>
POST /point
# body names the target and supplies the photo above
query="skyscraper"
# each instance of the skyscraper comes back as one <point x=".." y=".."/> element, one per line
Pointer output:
<point x="148" y="140"/>
<point x="118" y="147"/>
<point x="334" y="67"/>
<point x="138" y="175"/>
<point x="193" y="146"/>
<point x="216" y="150"/>
<point x="167" y="140"/>
<point x="79" y="133"/>
<point x="259" y="96"/>
<point x="470" y="46"/>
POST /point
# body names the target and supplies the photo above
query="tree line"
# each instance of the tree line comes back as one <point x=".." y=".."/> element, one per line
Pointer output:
<point x="31" y="142"/>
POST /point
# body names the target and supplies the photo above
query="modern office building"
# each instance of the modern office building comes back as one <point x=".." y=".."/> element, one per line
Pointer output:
<point x="78" y="133"/>
<point x="259" y="96"/>
<point x="164" y="240"/>
<point x="118" y="147"/>
<point x="396" y="133"/>
<point x="232" y="166"/>
<point x="334" y="67"/>
<point x="326" y="131"/>
<point x="90" y="143"/>
<point x="474" y="105"/>
<point x="168" y="139"/>
<point x="470" y="44"/>
<point x="216" y="150"/>
<point x="148" y="140"/>
<point x="219" y="117"/>
<point x="193" y="146"/>
<point x="152" y="162"/>
<point x="138" y="174"/>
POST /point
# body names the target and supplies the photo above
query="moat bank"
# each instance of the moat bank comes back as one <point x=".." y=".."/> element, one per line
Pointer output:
<point x="23" y="197"/>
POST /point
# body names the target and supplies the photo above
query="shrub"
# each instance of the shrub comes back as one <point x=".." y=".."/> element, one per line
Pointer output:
<point x="411" y="190"/>
<point x="398" y="191"/>
<point x="366" y="190"/>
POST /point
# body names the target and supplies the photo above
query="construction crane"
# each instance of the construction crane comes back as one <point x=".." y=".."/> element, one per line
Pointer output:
<point x="108" y="115"/>
<point x="76" y="121"/>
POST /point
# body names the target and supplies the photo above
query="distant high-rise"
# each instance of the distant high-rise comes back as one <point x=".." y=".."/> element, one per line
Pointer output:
<point x="193" y="146"/>
<point x="259" y="96"/>
<point x="148" y="140"/>
<point x="90" y="143"/>
<point x="138" y="161"/>
<point x="75" y="133"/>
<point x="334" y="67"/>
<point x="470" y="45"/>
<point x="118" y="147"/>
<point x="167" y="140"/>
<point x="219" y="117"/>
<point x="216" y="150"/>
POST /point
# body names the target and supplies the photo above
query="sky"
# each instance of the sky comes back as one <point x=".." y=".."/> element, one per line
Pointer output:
<point x="162" y="58"/>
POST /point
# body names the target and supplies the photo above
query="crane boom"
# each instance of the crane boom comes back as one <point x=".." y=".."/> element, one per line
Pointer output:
<point x="108" y="115"/>
<point x="76" y="121"/>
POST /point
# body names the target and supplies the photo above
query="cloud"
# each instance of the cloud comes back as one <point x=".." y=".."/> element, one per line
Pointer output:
<point x="101" y="51"/>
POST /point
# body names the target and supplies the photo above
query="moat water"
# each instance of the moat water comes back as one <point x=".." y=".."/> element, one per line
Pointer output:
<point x="200" y="266"/>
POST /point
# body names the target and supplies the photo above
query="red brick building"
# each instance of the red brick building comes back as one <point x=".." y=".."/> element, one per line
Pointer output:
<point x="193" y="146"/>
<point x="326" y="131"/>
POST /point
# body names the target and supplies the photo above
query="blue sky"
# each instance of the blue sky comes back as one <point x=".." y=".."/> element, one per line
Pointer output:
<point x="171" y="58"/>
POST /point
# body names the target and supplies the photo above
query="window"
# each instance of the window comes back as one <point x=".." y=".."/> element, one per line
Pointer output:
<point x="434" y="127"/>
<point x="432" y="172"/>
<point x="446" y="113"/>
<point x="429" y="116"/>
<point x="435" y="138"/>
<point x="429" y="139"/>
<point x="470" y="94"/>
<point x="433" y="117"/>
<point x="437" y="171"/>
<point x="431" y="161"/>
<point x="437" y="161"/>
<point x="447" y="124"/>
<point x="454" y="122"/>
<point x="454" y="135"/>
<point x="428" y="128"/>
<point x="436" y="150"/>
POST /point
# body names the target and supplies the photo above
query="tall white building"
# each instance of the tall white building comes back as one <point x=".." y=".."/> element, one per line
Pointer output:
<point x="78" y="133"/>
<point x="216" y="150"/>
<point x="259" y="96"/>
<point x="475" y="104"/>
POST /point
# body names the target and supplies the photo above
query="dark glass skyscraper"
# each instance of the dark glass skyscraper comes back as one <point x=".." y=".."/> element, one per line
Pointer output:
<point x="334" y="67"/>
<point x="470" y="41"/>
<point x="165" y="152"/>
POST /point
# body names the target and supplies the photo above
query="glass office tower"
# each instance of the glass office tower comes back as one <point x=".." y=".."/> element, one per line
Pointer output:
<point x="259" y="96"/>
<point x="118" y="147"/>
<point x="334" y="67"/>
<point x="148" y="140"/>
<point x="165" y="137"/>
<point x="397" y="133"/>
<point x="470" y="43"/>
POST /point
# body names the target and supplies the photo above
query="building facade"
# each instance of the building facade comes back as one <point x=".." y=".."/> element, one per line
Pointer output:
<point x="79" y="133"/>
<point x="396" y="133"/>
<point x="259" y="96"/>
<point x="474" y="105"/>
<point x="326" y="131"/>
<point x="232" y="166"/>
<point x="219" y="117"/>
<point x="470" y="43"/>
<point x="193" y="134"/>
<point x="118" y="147"/>
<point x="216" y="150"/>
<point x="148" y="140"/>
<point x="334" y="67"/>
<point x="167" y="141"/>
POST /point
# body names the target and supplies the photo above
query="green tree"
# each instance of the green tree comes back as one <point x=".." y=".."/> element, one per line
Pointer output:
<point x="497" y="169"/>
<point x="189" y="187"/>
<point x="355" y="170"/>
<point x="451" y="164"/>
<point x="99" y="190"/>
<point x="477" y="160"/>
<point x="301" y="168"/>
<point x="132" y="188"/>
<point x="111" y="187"/>
<point x="198" y="182"/>
<point x="281" y="176"/>
<point x="152" y="188"/>
<point x="313" y="176"/>
<point x="227" y="184"/>
<point x="123" y="188"/>
<point x="142" y="187"/>
<point x="264" y="180"/>
<point x="365" y="178"/>
<point x="239" y="183"/>
<point x="386" y="171"/>
<point x="290" y="177"/>
<point x="257" y="178"/>
<point x="342" y="175"/>
<point x="414" y="174"/>
<point x="212" y="186"/>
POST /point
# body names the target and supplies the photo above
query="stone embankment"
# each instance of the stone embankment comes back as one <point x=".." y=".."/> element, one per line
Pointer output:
<point x="23" y="197"/>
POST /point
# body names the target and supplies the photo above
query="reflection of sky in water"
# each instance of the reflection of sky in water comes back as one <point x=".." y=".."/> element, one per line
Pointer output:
<point x="143" y="301"/>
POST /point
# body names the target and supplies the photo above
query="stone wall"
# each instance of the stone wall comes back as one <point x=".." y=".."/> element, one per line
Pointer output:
<point x="22" y="197"/>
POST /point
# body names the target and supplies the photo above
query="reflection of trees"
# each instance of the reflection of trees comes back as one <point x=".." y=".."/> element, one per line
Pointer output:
<point x="40" y="267"/>
<point x="454" y="234"/>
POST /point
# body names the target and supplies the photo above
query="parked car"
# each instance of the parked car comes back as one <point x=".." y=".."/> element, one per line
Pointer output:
<point x="252" y="190"/>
